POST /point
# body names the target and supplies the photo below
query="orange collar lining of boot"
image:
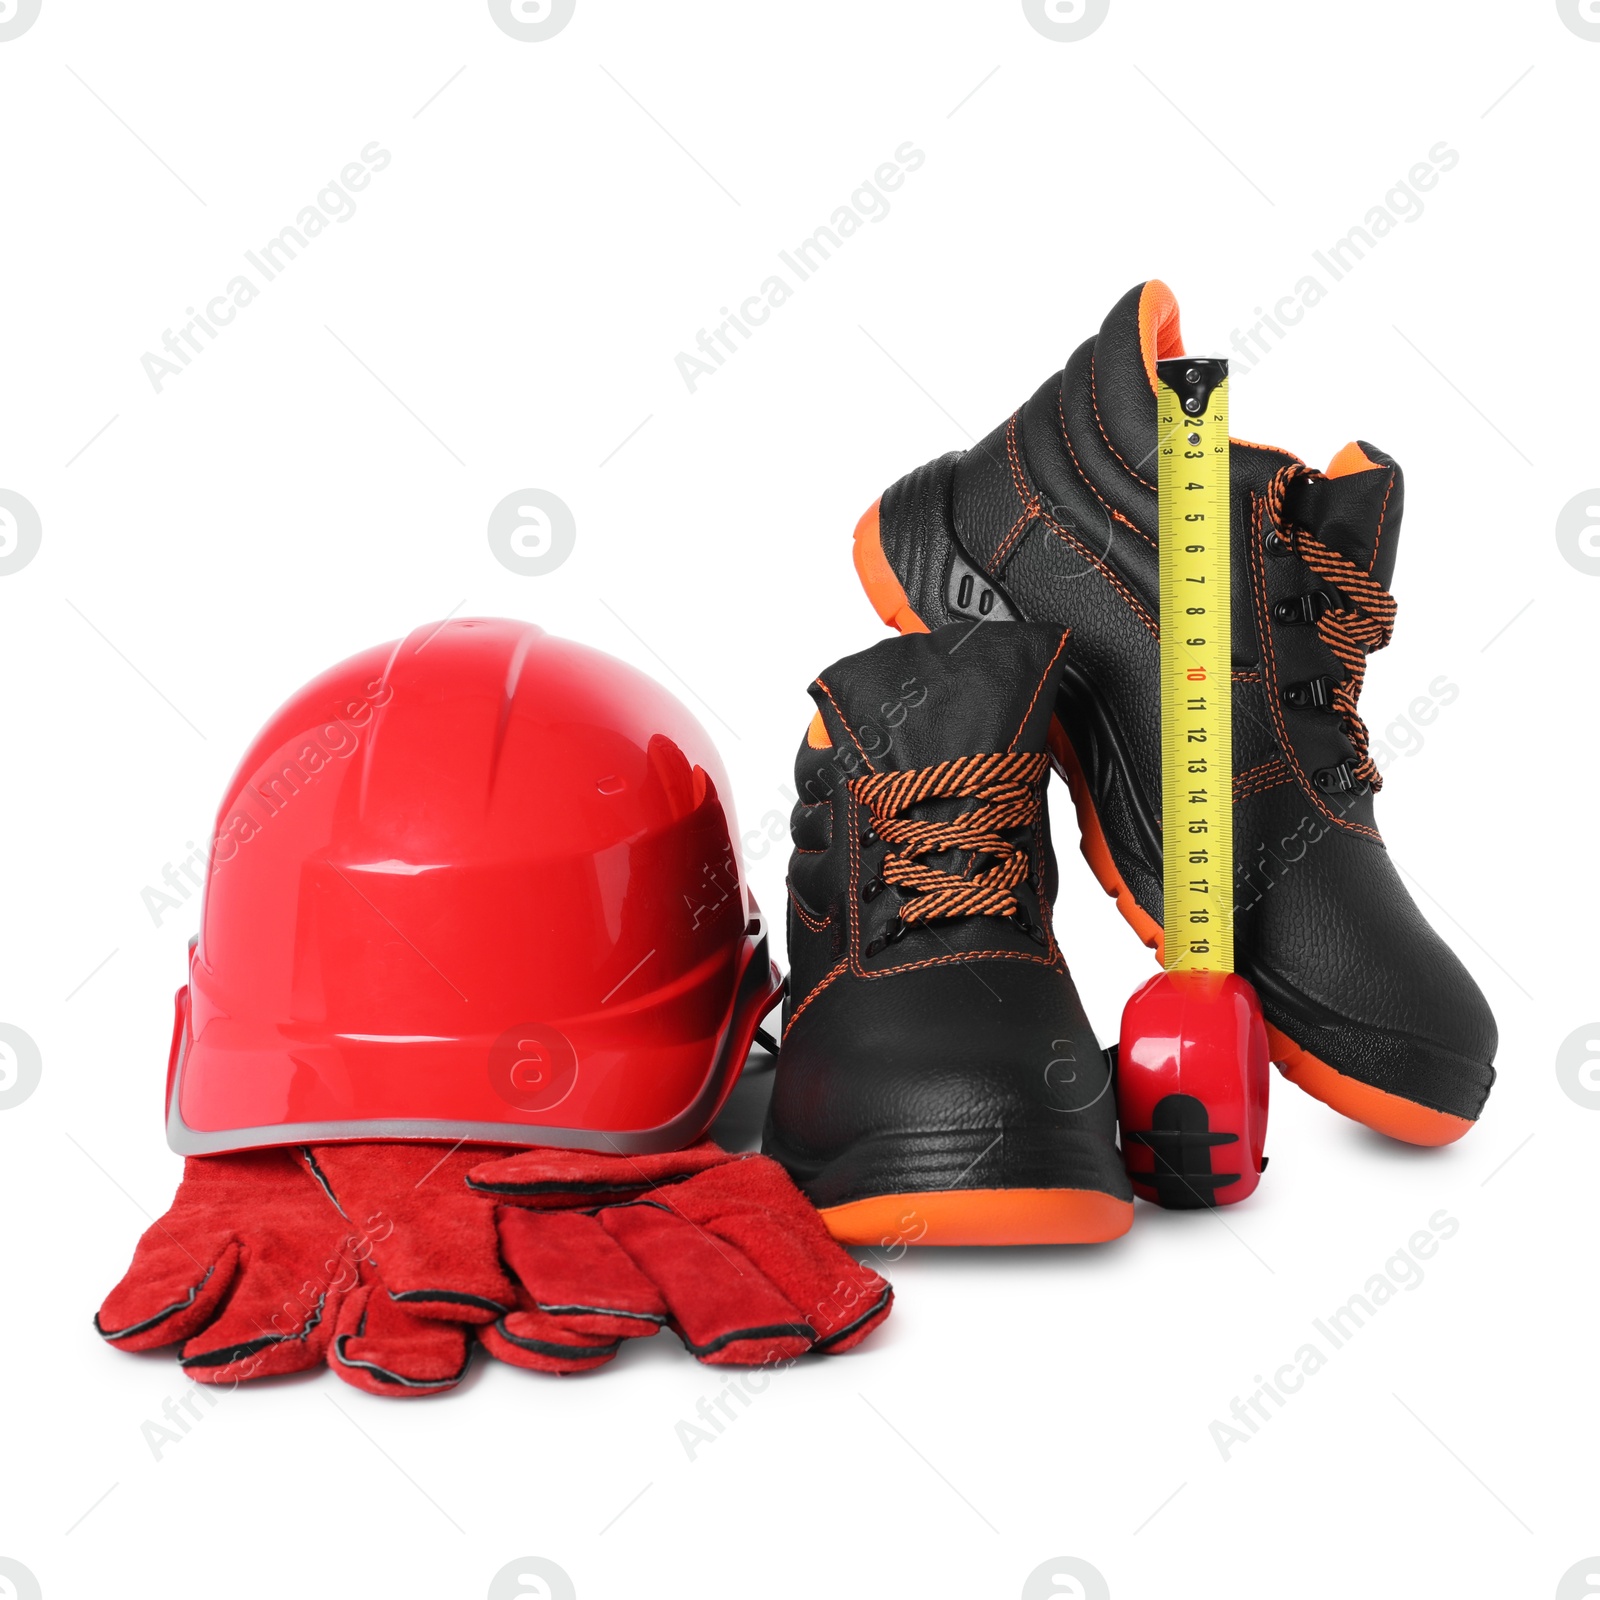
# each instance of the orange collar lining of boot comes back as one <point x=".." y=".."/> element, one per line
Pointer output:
<point x="1160" y="336"/>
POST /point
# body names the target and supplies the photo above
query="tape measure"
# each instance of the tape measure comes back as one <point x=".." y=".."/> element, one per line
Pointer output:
<point x="1194" y="511"/>
<point x="1192" y="1056"/>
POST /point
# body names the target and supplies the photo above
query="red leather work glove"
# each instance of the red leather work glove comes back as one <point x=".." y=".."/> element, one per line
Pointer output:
<point x="254" y="1274"/>
<point x="722" y="1248"/>
<point x="374" y="1258"/>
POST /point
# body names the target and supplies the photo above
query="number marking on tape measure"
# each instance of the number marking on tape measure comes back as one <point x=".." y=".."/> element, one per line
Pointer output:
<point x="1194" y="518"/>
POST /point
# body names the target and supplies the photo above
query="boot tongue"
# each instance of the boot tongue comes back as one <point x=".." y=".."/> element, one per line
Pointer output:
<point x="1355" y="509"/>
<point x="923" y="698"/>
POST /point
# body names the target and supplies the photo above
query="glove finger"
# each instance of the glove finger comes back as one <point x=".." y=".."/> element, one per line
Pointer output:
<point x="726" y="1311"/>
<point x="186" y="1263"/>
<point x="382" y="1348"/>
<point x="282" y="1311"/>
<point x="573" y="1271"/>
<point x="547" y="1177"/>
<point x="529" y="1337"/>
<point x="432" y="1239"/>
<point x="754" y="1205"/>
<point x="171" y="1290"/>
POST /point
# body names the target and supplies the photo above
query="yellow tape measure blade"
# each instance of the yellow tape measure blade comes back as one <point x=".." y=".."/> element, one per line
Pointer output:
<point x="1194" y="514"/>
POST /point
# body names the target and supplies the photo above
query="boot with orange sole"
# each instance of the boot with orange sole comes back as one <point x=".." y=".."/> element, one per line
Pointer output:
<point x="938" y="1082"/>
<point x="1052" y="518"/>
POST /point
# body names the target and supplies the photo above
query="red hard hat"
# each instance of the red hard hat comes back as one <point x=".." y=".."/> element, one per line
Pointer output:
<point x="476" y="884"/>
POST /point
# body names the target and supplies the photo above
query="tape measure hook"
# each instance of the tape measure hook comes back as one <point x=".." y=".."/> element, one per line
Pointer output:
<point x="1193" y="379"/>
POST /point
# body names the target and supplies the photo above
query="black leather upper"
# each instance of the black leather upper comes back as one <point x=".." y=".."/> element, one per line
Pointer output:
<point x="1057" y="509"/>
<point x="957" y="1055"/>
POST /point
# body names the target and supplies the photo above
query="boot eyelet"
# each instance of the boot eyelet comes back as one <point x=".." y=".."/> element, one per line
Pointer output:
<point x="872" y="888"/>
<point x="1339" y="779"/>
<point x="868" y="837"/>
<point x="1303" y="608"/>
<point x="1313" y="693"/>
<point x="1275" y="544"/>
<point x="893" y="934"/>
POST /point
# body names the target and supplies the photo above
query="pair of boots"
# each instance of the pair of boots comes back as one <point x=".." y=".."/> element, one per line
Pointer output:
<point x="938" y="1081"/>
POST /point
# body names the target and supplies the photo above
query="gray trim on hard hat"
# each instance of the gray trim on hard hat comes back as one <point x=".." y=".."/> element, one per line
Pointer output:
<point x="757" y="980"/>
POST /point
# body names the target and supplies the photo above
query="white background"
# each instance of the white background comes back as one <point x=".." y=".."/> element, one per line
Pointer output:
<point x="503" y="311"/>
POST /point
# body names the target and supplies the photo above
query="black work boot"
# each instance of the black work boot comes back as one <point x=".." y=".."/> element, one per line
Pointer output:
<point x="1053" y="518"/>
<point x="938" y="1082"/>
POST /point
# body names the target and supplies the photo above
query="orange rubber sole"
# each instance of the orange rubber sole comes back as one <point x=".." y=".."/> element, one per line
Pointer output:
<point x="1386" y="1113"/>
<point x="981" y="1217"/>
<point x="1389" y="1114"/>
<point x="877" y="577"/>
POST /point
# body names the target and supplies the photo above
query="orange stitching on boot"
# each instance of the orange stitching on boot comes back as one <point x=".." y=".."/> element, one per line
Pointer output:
<point x="1030" y="502"/>
<point x="1014" y="533"/>
<point x="1045" y="678"/>
<point x="822" y="983"/>
<point x="1088" y="482"/>
<point x="1130" y="599"/>
<point x="1094" y="401"/>
<point x="958" y="956"/>
<point x="845" y="722"/>
<point x="1383" y="517"/>
<point x="1258" y="779"/>
<point x="1024" y="490"/>
<point x="803" y="913"/>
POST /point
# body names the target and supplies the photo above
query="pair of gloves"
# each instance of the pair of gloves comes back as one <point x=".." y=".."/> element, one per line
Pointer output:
<point x="384" y="1260"/>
